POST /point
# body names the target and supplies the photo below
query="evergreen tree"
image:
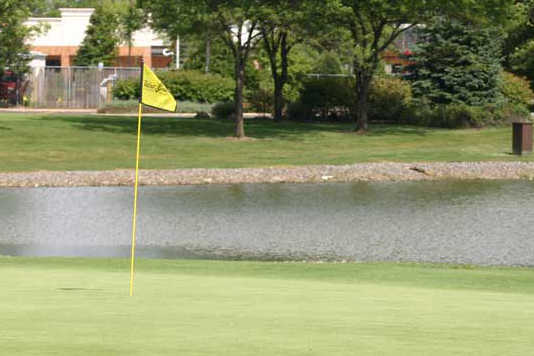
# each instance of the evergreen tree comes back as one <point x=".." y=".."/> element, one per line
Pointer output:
<point x="458" y="63"/>
<point x="101" y="39"/>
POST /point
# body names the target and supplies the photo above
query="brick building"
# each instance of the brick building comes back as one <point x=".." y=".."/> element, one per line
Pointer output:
<point x="65" y="34"/>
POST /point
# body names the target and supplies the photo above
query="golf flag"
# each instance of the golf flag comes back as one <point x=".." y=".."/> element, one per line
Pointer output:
<point x="154" y="93"/>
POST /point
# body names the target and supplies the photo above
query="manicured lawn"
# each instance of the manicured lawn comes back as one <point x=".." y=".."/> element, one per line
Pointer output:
<point x="81" y="307"/>
<point x="63" y="142"/>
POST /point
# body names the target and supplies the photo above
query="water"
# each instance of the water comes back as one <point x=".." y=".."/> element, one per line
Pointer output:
<point x="457" y="222"/>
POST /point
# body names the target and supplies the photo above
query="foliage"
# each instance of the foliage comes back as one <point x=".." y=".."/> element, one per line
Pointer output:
<point x="457" y="63"/>
<point x="389" y="98"/>
<point x="102" y="38"/>
<point x="184" y="85"/>
<point x="283" y="24"/>
<point x="516" y="90"/>
<point x="260" y="100"/>
<point x="375" y="24"/>
<point x="198" y="86"/>
<point x="521" y="61"/>
<point x="328" y="63"/>
<point x="131" y="20"/>
<point x="460" y="115"/>
<point x="518" y="46"/>
<point x="325" y="98"/>
<point x="50" y="8"/>
<point x="223" y="110"/>
<point x="14" y="52"/>
<point x="126" y="89"/>
<point x="333" y="98"/>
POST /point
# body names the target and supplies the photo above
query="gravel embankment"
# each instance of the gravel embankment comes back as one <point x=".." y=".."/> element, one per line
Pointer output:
<point x="307" y="174"/>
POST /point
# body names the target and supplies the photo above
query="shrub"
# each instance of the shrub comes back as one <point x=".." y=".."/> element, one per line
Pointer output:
<point x="224" y="110"/>
<point x="260" y="100"/>
<point x="334" y="98"/>
<point x="298" y="111"/>
<point x="198" y="86"/>
<point x="455" y="116"/>
<point x="516" y="90"/>
<point x="184" y="85"/>
<point x="127" y="89"/>
<point x="202" y="115"/>
<point x="324" y="98"/>
<point x="389" y="98"/>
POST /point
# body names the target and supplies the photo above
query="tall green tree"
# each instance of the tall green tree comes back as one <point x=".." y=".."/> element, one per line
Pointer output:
<point x="283" y="24"/>
<point x="14" y="52"/>
<point x="101" y="39"/>
<point x="131" y="20"/>
<point x="237" y="26"/>
<point x="458" y="63"/>
<point x="375" y="24"/>
<point x="180" y="19"/>
<point x="233" y="21"/>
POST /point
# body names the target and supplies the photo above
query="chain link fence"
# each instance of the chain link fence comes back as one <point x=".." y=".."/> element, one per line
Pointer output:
<point x="74" y="87"/>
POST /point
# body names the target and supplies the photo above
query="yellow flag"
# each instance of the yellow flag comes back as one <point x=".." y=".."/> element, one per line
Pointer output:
<point x="154" y="93"/>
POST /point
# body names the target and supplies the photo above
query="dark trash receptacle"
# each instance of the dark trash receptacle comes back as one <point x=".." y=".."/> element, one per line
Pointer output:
<point x="522" y="138"/>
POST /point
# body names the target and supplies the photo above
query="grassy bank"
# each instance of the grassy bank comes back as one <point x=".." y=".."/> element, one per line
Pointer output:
<point x="63" y="142"/>
<point x="80" y="307"/>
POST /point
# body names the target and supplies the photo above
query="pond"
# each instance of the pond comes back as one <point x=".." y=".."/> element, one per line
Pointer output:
<point x="476" y="222"/>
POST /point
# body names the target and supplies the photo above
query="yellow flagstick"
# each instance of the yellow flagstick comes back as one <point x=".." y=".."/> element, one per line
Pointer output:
<point x="135" y="198"/>
<point x="155" y="94"/>
<point x="134" y="219"/>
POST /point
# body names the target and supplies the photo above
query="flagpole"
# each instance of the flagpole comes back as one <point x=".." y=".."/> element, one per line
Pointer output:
<point x="134" y="219"/>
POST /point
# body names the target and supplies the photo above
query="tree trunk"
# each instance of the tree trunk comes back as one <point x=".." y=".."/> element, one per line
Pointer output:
<point x="208" y="54"/>
<point x="363" y="84"/>
<point x="278" y="99"/>
<point x="130" y="53"/>
<point x="238" y="98"/>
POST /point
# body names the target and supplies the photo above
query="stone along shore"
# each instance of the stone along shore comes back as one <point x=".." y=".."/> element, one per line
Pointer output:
<point x="306" y="174"/>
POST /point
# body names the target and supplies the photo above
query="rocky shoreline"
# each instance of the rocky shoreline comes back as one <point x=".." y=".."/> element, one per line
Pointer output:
<point x="307" y="174"/>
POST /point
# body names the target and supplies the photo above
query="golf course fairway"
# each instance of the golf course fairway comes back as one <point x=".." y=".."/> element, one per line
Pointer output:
<point x="55" y="306"/>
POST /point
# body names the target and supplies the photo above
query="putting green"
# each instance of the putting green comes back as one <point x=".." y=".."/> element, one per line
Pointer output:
<point x="81" y="307"/>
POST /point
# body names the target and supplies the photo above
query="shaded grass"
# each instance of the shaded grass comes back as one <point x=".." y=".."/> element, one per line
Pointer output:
<point x="90" y="142"/>
<point x="80" y="307"/>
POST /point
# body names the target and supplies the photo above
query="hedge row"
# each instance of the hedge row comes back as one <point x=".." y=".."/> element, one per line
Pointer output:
<point x="185" y="85"/>
<point x="391" y="100"/>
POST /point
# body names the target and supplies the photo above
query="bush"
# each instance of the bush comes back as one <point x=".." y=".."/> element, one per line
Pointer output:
<point x="455" y="116"/>
<point x="516" y="90"/>
<point x="127" y="89"/>
<point x="261" y="100"/>
<point x="202" y="115"/>
<point x="189" y="85"/>
<point x="335" y="98"/>
<point x="325" y="98"/>
<point x="389" y="98"/>
<point x="224" y="110"/>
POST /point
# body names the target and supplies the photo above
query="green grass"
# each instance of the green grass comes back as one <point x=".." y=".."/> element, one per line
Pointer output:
<point x="131" y="106"/>
<point x="81" y="307"/>
<point x="63" y="142"/>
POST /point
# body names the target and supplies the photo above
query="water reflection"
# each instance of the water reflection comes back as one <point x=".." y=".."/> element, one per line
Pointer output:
<point x="461" y="222"/>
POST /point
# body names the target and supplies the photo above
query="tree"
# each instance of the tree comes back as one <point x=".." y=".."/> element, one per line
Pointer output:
<point x="101" y="39"/>
<point x="131" y="20"/>
<point x="282" y="24"/>
<point x="375" y="24"/>
<point x="14" y="52"/>
<point x="458" y="63"/>
<point x="184" y="18"/>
